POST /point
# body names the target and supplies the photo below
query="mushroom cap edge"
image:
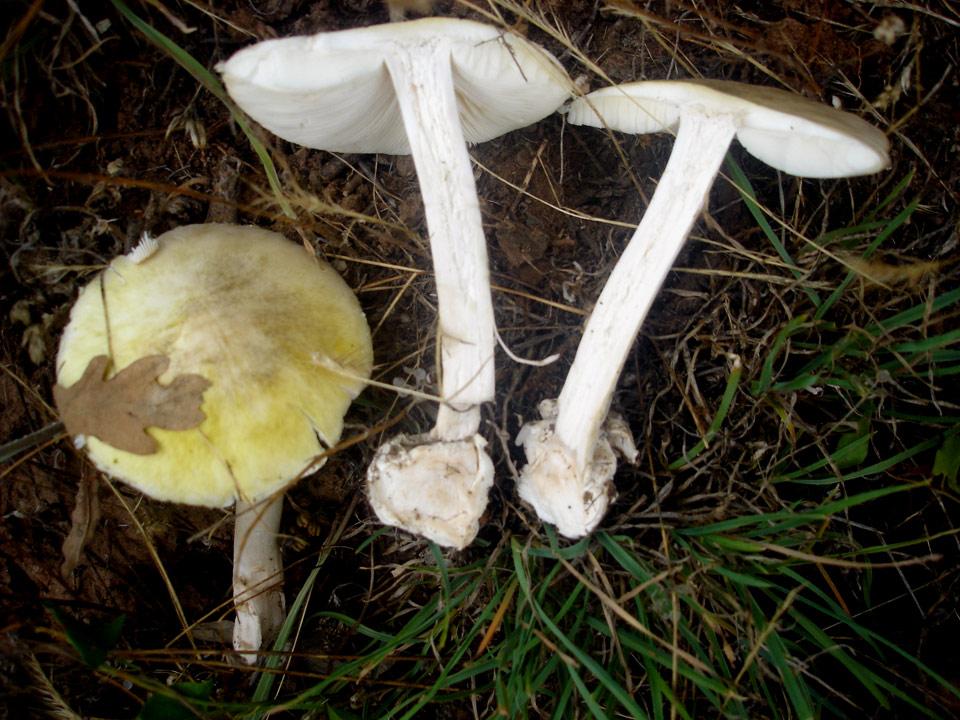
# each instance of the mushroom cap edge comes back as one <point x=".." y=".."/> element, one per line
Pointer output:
<point x="787" y="131"/>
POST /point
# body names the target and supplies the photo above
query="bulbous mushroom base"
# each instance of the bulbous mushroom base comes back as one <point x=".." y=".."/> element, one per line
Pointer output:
<point x="572" y="499"/>
<point x="430" y="487"/>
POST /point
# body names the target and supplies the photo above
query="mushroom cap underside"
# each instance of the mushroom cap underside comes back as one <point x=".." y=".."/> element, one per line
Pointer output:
<point x="260" y="319"/>
<point x="333" y="91"/>
<point x="785" y="130"/>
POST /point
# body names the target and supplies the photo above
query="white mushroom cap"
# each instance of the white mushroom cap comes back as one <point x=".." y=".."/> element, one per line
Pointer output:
<point x="786" y="131"/>
<point x="332" y="91"/>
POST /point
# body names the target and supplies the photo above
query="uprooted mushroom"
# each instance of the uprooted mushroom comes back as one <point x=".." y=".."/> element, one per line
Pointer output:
<point x="571" y="452"/>
<point x="211" y="366"/>
<point x="424" y="87"/>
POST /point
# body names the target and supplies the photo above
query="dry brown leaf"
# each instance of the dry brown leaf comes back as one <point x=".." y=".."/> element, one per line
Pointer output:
<point x="83" y="521"/>
<point x="119" y="410"/>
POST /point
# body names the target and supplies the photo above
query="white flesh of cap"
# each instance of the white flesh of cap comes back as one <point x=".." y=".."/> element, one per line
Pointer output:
<point x="785" y="130"/>
<point x="332" y="91"/>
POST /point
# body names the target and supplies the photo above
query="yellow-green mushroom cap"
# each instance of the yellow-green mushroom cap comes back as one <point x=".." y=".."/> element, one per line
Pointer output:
<point x="277" y="333"/>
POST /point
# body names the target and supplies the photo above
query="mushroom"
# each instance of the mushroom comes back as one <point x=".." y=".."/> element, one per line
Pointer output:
<point x="197" y="369"/>
<point x="570" y="452"/>
<point x="424" y="87"/>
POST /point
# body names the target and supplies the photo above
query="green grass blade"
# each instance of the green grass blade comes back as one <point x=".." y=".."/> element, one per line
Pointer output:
<point x="818" y="513"/>
<point x="793" y="326"/>
<point x="726" y="402"/>
<point x="595" y="669"/>
<point x="749" y="196"/>
<point x="862" y="339"/>
<point x="875" y="469"/>
<point x="902" y="217"/>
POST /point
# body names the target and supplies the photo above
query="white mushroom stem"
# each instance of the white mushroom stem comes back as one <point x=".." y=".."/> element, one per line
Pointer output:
<point x="436" y="484"/>
<point x="421" y="87"/>
<point x="698" y="151"/>
<point x="423" y="81"/>
<point x="257" y="576"/>
<point x="570" y="464"/>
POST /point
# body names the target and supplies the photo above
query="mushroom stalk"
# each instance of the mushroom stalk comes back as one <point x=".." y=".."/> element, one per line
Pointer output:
<point x="436" y="484"/>
<point x="699" y="149"/>
<point x="423" y="87"/>
<point x="424" y="84"/>
<point x="257" y="575"/>
<point x="570" y="459"/>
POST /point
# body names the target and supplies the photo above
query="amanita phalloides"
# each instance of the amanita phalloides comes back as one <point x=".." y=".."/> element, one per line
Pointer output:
<point x="570" y="453"/>
<point x="197" y="369"/>
<point x="424" y="87"/>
